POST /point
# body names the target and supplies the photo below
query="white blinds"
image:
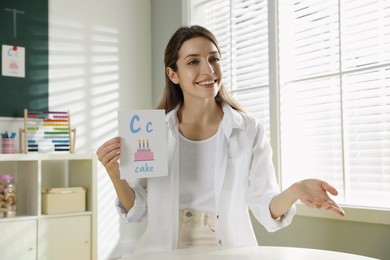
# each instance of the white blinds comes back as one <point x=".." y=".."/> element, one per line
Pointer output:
<point x="335" y="96"/>
<point x="242" y="32"/>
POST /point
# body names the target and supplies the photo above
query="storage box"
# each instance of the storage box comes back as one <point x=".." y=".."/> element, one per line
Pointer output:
<point x="63" y="200"/>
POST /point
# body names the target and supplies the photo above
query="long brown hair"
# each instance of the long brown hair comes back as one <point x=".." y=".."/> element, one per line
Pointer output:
<point x="173" y="95"/>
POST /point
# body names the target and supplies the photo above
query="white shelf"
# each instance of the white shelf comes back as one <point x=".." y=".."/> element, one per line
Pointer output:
<point x="32" y="173"/>
<point x="40" y="156"/>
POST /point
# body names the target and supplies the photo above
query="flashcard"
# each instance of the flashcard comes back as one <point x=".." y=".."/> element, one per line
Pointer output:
<point x="143" y="143"/>
<point x="13" y="60"/>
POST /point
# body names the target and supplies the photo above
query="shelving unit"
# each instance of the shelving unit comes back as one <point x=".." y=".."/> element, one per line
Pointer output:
<point x="33" y="235"/>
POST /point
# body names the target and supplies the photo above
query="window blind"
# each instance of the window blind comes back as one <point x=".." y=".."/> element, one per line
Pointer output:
<point x="335" y="96"/>
<point x="365" y="46"/>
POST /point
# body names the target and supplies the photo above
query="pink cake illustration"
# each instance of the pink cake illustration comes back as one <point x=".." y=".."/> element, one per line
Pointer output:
<point x="144" y="152"/>
<point x="13" y="65"/>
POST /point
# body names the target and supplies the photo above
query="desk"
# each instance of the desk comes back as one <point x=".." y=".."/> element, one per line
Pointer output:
<point x="248" y="253"/>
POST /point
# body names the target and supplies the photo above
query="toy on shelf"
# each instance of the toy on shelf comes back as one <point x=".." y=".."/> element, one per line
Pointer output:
<point x="7" y="196"/>
<point x="47" y="132"/>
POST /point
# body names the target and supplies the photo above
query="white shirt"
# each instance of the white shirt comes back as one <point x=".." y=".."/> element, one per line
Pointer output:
<point x="197" y="171"/>
<point x="244" y="179"/>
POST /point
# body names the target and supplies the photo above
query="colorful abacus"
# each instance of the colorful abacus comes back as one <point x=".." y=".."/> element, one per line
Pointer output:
<point x="47" y="132"/>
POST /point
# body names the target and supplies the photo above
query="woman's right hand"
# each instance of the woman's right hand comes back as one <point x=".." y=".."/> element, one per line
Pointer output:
<point x="108" y="154"/>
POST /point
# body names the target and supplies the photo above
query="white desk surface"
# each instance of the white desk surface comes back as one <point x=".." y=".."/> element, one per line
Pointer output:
<point x="248" y="253"/>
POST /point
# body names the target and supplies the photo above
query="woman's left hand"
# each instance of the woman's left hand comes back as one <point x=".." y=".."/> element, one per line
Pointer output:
<point x="314" y="194"/>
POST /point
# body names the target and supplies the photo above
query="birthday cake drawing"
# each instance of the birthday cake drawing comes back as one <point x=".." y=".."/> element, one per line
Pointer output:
<point x="13" y="65"/>
<point x="144" y="152"/>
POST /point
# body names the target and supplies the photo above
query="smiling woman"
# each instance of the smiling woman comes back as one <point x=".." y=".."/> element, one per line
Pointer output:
<point x="220" y="162"/>
<point x="173" y="94"/>
<point x="199" y="77"/>
<point x="199" y="69"/>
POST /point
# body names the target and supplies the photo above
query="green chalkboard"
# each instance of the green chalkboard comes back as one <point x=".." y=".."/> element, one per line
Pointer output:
<point x="24" y="24"/>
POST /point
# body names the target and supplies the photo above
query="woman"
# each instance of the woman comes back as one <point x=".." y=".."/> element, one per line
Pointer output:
<point x="220" y="163"/>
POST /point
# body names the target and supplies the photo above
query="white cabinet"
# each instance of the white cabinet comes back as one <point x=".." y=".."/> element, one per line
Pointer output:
<point x="65" y="238"/>
<point x="18" y="240"/>
<point x="33" y="235"/>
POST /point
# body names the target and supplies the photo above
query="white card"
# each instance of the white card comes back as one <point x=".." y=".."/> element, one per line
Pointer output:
<point x="144" y="143"/>
<point x="13" y="61"/>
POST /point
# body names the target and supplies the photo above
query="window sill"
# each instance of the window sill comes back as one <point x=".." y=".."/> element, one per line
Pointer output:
<point x="367" y="215"/>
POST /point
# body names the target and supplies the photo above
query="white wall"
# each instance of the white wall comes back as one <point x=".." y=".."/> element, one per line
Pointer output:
<point x="166" y="19"/>
<point x="99" y="62"/>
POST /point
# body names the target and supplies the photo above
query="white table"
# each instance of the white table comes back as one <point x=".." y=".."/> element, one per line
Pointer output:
<point x="248" y="253"/>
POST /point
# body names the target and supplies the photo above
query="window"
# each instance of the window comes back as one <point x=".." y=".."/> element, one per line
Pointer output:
<point x="333" y="84"/>
<point x="335" y="95"/>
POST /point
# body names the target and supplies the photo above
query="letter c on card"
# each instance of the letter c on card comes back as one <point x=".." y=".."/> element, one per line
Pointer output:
<point x="149" y="128"/>
<point x="132" y="129"/>
<point x="10" y="52"/>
